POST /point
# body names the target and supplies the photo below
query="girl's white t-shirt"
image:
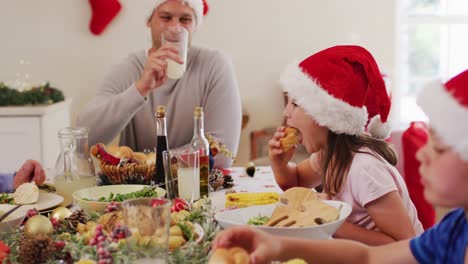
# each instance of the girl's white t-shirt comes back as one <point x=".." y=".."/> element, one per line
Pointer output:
<point x="369" y="178"/>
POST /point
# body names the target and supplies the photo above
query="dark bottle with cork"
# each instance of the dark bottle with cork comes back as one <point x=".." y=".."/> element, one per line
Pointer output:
<point x="200" y="143"/>
<point x="161" y="145"/>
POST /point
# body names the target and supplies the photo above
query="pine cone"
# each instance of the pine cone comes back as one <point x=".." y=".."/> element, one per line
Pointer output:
<point x="76" y="218"/>
<point x="216" y="179"/>
<point x="228" y="182"/>
<point x="37" y="249"/>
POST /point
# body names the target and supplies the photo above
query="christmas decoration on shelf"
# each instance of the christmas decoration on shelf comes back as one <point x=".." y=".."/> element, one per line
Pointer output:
<point x="103" y="12"/>
<point x="38" y="95"/>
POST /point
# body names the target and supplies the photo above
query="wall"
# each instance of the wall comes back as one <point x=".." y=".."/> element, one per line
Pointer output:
<point x="261" y="36"/>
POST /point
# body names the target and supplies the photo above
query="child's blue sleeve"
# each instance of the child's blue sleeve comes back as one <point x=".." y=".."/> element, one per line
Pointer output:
<point x="433" y="245"/>
<point x="6" y="182"/>
<point x="424" y="247"/>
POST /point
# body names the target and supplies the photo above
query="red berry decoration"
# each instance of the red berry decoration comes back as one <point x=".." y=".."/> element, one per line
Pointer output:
<point x="59" y="244"/>
<point x="31" y="213"/>
<point x="158" y="201"/>
<point x="111" y="207"/>
<point x="179" y="205"/>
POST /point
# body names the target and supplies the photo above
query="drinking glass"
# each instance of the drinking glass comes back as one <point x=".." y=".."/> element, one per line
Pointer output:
<point x="176" y="36"/>
<point x="148" y="221"/>
<point x="182" y="168"/>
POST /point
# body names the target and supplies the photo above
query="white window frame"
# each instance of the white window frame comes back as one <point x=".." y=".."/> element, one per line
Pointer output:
<point x="400" y="101"/>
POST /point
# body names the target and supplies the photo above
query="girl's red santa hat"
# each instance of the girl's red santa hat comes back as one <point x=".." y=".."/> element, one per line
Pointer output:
<point x="446" y="105"/>
<point x="341" y="88"/>
<point x="200" y="7"/>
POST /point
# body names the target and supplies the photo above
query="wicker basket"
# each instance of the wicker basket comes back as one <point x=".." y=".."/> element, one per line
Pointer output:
<point x="130" y="173"/>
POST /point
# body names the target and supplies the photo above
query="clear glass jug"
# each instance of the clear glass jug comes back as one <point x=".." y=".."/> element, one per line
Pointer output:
<point x="74" y="168"/>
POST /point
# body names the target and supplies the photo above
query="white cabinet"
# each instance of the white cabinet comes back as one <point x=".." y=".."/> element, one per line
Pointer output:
<point x="30" y="132"/>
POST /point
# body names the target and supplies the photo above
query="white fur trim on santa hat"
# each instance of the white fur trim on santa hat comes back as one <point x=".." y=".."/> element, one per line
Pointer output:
<point x="339" y="116"/>
<point x="196" y="5"/>
<point x="377" y="129"/>
<point x="446" y="116"/>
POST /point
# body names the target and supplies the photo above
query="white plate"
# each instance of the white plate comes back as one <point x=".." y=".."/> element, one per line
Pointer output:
<point x="46" y="201"/>
<point x="13" y="220"/>
<point x="241" y="216"/>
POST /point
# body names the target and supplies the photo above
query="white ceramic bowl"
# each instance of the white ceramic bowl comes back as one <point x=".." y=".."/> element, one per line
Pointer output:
<point x="13" y="220"/>
<point x="241" y="216"/>
<point x="94" y="193"/>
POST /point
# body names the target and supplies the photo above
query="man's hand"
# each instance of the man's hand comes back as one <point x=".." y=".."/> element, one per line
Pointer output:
<point x="155" y="72"/>
<point x="30" y="171"/>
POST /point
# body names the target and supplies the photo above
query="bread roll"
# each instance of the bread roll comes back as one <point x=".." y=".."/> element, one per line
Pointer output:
<point x="26" y="193"/>
<point x="235" y="255"/>
<point x="140" y="157"/>
<point x="124" y="152"/>
<point x="291" y="138"/>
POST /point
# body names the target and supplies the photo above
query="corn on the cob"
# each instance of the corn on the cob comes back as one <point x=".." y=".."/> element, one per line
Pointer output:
<point x="249" y="199"/>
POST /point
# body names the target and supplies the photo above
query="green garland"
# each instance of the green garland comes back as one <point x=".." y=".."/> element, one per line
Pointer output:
<point x="44" y="94"/>
<point x="76" y="248"/>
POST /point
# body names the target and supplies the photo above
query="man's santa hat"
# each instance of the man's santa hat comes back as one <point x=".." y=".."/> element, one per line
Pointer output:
<point x="200" y="7"/>
<point x="446" y="105"/>
<point x="341" y="88"/>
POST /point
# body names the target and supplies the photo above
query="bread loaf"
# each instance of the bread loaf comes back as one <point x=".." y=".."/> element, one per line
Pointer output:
<point x="291" y="138"/>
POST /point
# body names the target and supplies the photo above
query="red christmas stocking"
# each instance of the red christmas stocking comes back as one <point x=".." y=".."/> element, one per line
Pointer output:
<point x="104" y="11"/>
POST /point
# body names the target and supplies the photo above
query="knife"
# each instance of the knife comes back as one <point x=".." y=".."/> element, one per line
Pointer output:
<point x="5" y="215"/>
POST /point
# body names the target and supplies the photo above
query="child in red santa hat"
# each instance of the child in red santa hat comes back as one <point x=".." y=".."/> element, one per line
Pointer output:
<point x="334" y="95"/>
<point x="444" y="170"/>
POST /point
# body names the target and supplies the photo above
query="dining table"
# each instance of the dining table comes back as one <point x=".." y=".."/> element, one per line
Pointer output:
<point x="263" y="180"/>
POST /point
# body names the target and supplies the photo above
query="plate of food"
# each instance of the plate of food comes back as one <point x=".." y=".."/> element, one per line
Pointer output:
<point x="97" y="198"/>
<point x="28" y="194"/>
<point x="11" y="222"/>
<point x="298" y="214"/>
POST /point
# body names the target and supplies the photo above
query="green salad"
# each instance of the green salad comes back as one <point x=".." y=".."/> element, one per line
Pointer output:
<point x="258" y="220"/>
<point x="6" y="198"/>
<point x="118" y="197"/>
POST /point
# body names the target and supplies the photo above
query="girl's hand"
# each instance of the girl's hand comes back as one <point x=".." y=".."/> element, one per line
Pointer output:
<point x="155" y="71"/>
<point x="278" y="157"/>
<point x="262" y="247"/>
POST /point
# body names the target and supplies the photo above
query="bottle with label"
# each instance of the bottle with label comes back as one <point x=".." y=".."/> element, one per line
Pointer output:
<point x="200" y="143"/>
<point x="161" y="144"/>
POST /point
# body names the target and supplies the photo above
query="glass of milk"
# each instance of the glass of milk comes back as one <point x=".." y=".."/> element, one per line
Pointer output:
<point x="176" y="36"/>
<point x="182" y="168"/>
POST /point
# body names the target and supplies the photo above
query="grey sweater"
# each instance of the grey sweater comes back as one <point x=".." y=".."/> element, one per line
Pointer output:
<point x="209" y="81"/>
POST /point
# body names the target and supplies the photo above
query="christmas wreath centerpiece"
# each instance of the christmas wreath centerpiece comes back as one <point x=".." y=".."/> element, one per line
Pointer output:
<point x="78" y="237"/>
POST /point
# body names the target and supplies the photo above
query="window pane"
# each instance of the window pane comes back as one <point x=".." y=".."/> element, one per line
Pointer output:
<point x="410" y="111"/>
<point x="414" y="7"/>
<point x="457" y="7"/>
<point x="424" y="47"/>
<point x="458" y="49"/>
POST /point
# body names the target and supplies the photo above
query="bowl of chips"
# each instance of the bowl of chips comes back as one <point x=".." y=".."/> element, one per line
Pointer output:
<point x="299" y="214"/>
<point x="277" y="219"/>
